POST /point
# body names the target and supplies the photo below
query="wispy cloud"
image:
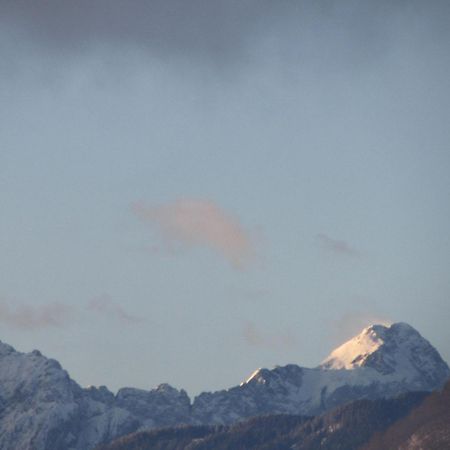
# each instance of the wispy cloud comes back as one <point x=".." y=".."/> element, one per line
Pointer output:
<point x="29" y="317"/>
<point x="336" y="246"/>
<point x="105" y="306"/>
<point x="258" y="338"/>
<point x="352" y="323"/>
<point x="193" y="222"/>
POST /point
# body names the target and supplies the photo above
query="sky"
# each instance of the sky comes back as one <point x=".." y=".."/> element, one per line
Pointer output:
<point x="193" y="190"/>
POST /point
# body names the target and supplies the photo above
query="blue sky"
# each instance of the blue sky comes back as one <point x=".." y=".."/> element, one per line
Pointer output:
<point x="189" y="194"/>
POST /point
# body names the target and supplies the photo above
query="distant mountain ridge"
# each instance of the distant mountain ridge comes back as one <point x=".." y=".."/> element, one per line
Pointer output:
<point x="412" y="421"/>
<point x="348" y="427"/>
<point x="42" y="408"/>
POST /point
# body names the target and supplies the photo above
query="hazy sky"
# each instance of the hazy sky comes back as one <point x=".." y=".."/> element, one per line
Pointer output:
<point x="192" y="190"/>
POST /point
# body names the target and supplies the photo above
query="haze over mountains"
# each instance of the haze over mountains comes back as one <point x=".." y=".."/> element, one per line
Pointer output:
<point x="44" y="409"/>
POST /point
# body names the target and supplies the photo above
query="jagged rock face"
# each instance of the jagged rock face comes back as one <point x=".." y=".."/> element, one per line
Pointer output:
<point x="37" y="399"/>
<point x="264" y="392"/>
<point x="163" y="406"/>
<point x="294" y="390"/>
<point x="41" y="408"/>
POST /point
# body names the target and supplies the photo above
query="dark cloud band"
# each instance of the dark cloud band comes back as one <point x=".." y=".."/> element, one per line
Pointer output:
<point x="220" y="31"/>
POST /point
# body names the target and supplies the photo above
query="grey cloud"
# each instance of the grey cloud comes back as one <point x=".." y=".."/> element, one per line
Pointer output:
<point x="105" y="306"/>
<point x="198" y="27"/>
<point x="56" y="315"/>
<point x="336" y="246"/>
<point x="219" y="31"/>
<point x="29" y="317"/>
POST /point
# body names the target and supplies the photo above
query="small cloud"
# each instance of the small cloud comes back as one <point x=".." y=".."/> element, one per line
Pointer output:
<point x="351" y="324"/>
<point x="105" y="306"/>
<point x="28" y="317"/>
<point x="193" y="222"/>
<point x="255" y="337"/>
<point x="336" y="246"/>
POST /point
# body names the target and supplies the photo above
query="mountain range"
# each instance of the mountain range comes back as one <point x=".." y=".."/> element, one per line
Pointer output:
<point x="42" y="408"/>
<point x="412" y="421"/>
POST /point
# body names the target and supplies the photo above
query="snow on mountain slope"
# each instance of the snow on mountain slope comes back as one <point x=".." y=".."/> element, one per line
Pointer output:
<point x="381" y="361"/>
<point x="397" y="351"/>
<point x="42" y="408"/>
<point x="354" y="352"/>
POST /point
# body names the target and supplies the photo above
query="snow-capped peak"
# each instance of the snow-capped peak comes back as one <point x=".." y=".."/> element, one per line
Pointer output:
<point x="397" y="350"/>
<point x="355" y="351"/>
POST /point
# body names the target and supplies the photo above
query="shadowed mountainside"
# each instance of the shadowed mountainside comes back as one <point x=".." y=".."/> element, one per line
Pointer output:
<point x="426" y="427"/>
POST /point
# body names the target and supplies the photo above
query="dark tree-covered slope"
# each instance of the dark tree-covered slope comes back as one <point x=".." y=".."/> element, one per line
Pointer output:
<point x="426" y="427"/>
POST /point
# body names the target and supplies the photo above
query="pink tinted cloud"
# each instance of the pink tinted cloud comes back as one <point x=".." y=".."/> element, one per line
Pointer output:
<point x="352" y="323"/>
<point x="193" y="222"/>
<point x="105" y="306"/>
<point x="28" y="317"/>
<point x="336" y="246"/>
<point x="258" y="338"/>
